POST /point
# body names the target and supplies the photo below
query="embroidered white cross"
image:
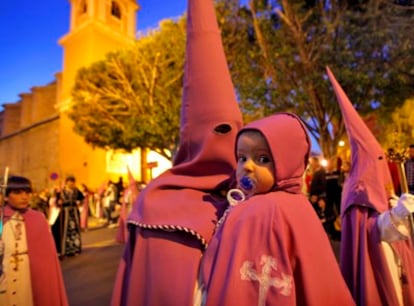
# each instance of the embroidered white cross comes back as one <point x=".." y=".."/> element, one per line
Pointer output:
<point x="265" y="279"/>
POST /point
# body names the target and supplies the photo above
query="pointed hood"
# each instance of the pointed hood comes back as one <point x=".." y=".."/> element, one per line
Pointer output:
<point x="210" y="120"/>
<point x="129" y="194"/>
<point x="209" y="109"/>
<point x="369" y="182"/>
<point x="132" y="185"/>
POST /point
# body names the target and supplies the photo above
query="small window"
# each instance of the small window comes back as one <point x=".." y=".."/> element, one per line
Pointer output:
<point x="83" y="7"/>
<point x="115" y="10"/>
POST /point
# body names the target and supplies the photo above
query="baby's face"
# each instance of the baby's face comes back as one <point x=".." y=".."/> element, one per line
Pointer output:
<point x="255" y="166"/>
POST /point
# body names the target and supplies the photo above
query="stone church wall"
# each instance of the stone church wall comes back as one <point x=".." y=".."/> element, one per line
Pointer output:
<point x="29" y="143"/>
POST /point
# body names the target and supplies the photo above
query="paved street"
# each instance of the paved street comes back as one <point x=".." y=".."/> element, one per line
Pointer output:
<point x="89" y="277"/>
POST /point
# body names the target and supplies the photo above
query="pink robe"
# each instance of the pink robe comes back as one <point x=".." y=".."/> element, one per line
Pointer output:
<point x="363" y="262"/>
<point x="160" y="263"/>
<point x="46" y="274"/>
<point x="279" y="238"/>
<point x="129" y="196"/>
<point x="121" y="235"/>
<point x="85" y="212"/>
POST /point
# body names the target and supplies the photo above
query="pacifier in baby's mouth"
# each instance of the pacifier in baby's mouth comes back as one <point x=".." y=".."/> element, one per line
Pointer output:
<point x="246" y="183"/>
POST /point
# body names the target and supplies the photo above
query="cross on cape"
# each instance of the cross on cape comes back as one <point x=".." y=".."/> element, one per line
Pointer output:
<point x="265" y="280"/>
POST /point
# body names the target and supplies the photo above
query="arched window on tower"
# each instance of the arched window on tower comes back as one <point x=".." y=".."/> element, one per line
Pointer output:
<point x="83" y="7"/>
<point x="115" y="10"/>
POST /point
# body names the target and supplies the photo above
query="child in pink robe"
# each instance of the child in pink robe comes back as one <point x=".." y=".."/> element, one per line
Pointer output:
<point x="29" y="250"/>
<point x="270" y="248"/>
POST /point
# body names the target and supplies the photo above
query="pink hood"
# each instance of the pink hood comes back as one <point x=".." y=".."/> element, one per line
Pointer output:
<point x="210" y="120"/>
<point x="290" y="158"/>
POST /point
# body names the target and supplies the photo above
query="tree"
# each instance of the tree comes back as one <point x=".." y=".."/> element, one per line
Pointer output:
<point x="400" y="133"/>
<point x="278" y="51"/>
<point x="132" y="98"/>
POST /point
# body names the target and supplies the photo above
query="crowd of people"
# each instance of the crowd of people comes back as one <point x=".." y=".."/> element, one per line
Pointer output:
<point x="324" y="184"/>
<point x="38" y="229"/>
<point x="69" y="207"/>
<point x="239" y="219"/>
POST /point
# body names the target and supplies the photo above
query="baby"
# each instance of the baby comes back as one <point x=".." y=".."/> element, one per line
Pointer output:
<point x="271" y="248"/>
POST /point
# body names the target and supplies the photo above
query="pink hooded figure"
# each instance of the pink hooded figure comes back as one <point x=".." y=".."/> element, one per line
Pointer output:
<point x="377" y="258"/>
<point x="174" y="217"/>
<point x="84" y="208"/>
<point x="271" y="248"/>
<point x="129" y="196"/>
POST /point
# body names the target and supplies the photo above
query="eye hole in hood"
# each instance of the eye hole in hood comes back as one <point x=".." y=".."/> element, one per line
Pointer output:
<point x="223" y="128"/>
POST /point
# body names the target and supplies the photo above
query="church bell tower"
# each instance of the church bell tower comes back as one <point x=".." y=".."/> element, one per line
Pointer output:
<point x="96" y="28"/>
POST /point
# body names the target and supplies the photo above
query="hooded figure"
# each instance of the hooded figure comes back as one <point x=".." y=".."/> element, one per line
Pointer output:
<point x="174" y="217"/>
<point x="377" y="260"/>
<point x="271" y="249"/>
<point x="129" y="196"/>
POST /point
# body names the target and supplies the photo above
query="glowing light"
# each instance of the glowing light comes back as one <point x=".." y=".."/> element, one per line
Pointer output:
<point x="341" y="143"/>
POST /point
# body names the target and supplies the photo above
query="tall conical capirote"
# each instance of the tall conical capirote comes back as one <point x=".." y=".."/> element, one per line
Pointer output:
<point x="210" y="115"/>
<point x="369" y="182"/>
<point x="210" y="121"/>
